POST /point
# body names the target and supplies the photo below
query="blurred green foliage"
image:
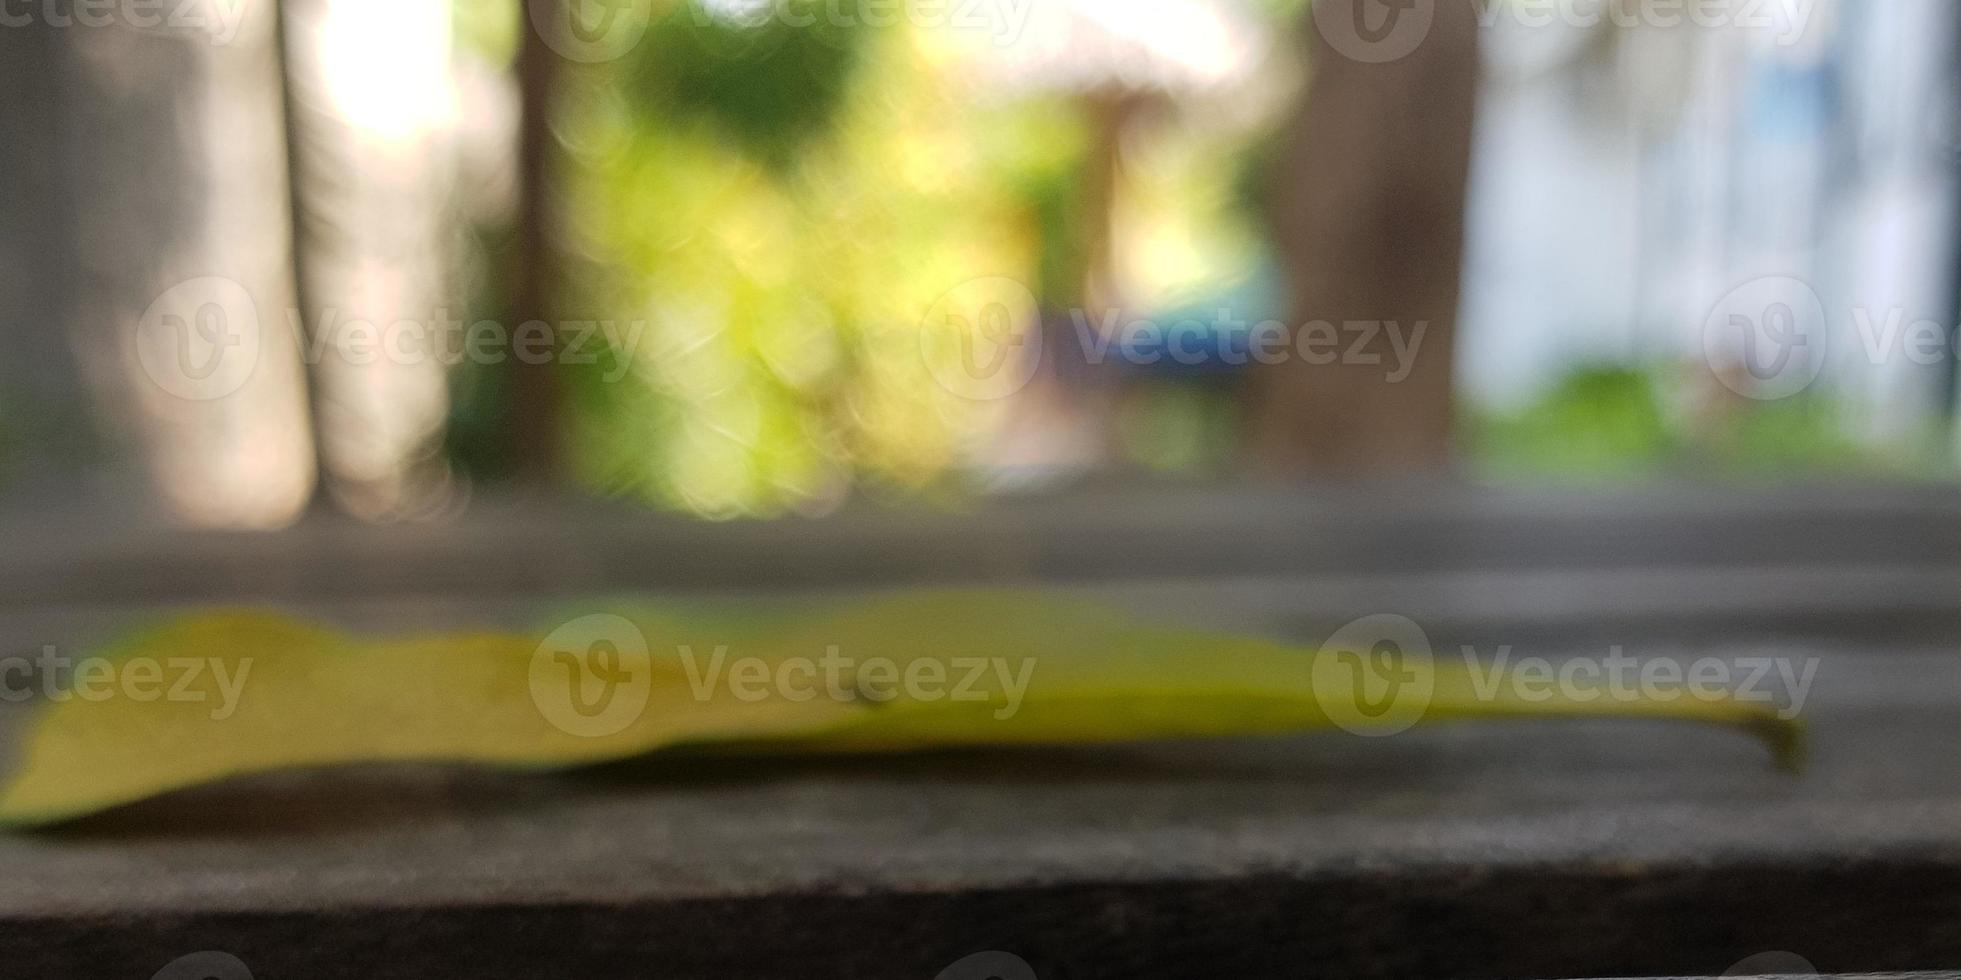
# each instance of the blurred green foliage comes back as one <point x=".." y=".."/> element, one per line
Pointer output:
<point x="781" y="206"/>
<point x="769" y="211"/>
<point x="773" y="204"/>
<point x="1607" y="421"/>
<point x="1598" y="421"/>
<point x="768" y="86"/>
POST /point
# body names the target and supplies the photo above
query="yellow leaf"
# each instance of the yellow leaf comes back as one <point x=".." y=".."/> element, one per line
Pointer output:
<point x="898" y="673"/>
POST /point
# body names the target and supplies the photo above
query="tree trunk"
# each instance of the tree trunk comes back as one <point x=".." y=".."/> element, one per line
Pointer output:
<point x="149" y="237"/>
<point x="1370" y="214"/>
<point x="536" y="399"/>
<point x="372" y="179"/>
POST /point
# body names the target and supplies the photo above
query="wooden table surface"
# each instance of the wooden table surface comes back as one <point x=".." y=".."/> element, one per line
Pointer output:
<point x="1536" y="850"/>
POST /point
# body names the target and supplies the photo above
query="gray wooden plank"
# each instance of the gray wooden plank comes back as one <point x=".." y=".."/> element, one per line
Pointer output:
<point x="514" y="547"/>
<point x="1490" y="850"/>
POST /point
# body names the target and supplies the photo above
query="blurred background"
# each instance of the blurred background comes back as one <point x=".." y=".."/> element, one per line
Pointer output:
<point x="1554" y="326"/>
<point x="746" y="259"/>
